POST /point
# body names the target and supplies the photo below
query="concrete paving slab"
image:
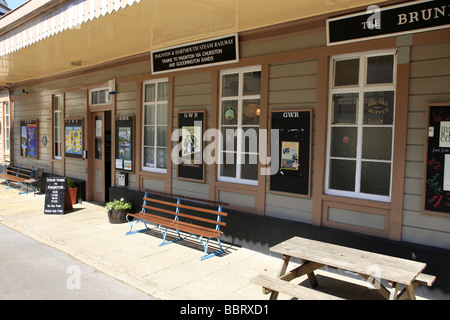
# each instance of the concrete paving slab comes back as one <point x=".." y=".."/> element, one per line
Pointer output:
<point x="169" y="272"/>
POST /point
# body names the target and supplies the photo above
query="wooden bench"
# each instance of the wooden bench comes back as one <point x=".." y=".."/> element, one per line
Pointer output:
<point x="17" y="174"/>
<point x="181" y="217"/>
<point x="272" y="284"/>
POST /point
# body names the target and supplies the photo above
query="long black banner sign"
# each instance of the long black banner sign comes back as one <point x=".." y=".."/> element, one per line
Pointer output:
<point x="198" y="54"/>
<point x="413" y="17"/>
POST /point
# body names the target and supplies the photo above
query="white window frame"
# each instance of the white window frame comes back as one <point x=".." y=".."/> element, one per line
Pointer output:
<point x="156" y="102"/>
<point x="60" y="127"/>
<point x="360" y="89"/>
<point x="107" y="97"/>
<point x="240" y="147"/>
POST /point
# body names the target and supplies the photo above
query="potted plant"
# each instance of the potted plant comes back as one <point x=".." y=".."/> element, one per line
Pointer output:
<point x="117" y="210"/>
<point x="73" y="190"/>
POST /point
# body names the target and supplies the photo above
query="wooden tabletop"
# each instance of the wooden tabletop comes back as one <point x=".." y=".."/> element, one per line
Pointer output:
<point x="363" y="262"/>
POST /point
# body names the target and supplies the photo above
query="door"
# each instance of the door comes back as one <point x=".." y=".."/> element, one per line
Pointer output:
<point x="101" y="158"/>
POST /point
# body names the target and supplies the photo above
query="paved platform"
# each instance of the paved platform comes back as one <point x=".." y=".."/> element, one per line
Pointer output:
<point x="171" y="272"/>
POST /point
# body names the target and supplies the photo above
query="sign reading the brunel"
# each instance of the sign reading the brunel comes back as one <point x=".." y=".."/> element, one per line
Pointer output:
<point x="194" y="55"/>
<point x="416" y="16"/>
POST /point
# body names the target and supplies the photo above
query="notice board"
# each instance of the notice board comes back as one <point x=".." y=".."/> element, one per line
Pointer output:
<point x="436" y="194"/>
<point x="293" y="148"/>
<point x="57" y="198"/>
<point x="191" y="166"/>
<point x="124" y="152"/>
<point x="73" y="136"/>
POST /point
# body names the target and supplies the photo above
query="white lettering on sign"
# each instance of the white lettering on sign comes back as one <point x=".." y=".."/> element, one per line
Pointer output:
<point x="290" y="115"/>
<point x="422" y="15"/>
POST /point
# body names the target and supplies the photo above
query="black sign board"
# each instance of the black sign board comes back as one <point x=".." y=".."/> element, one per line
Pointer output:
<point x="191" y="124"/>
<point x="55" y="196"/>
<point x="417" y="16"/>
<point x="198" y="54"/>
<point x="294" y="151"/>
<point x="437" y="160"/>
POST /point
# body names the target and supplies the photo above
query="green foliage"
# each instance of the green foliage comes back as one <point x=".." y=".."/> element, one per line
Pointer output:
<point x="70" y="183"/>
<point x="118" y="205"/>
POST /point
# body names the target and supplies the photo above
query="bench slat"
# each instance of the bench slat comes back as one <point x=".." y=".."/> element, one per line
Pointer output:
<point x="291" y="289"/>
<point x="184" y="206"/>
<point x="184" y="215"/>
<point x="425" y="279"/>
<point x="180" y="225"/>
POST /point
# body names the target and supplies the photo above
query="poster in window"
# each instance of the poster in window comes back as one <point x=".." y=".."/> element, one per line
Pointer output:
<point x="293" y="148"/>
<point x="436" y="186"/>
<point x="73" y="137"/>
<point x="124" y="143"/>
<point x="191" y="125"/>
<point x="29" y="138"/>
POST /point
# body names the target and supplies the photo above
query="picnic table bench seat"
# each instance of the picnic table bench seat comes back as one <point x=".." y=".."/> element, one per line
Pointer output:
<point x="272" y="284"/>
<point x="191" y="219"/>
<point x="16" y="173"/>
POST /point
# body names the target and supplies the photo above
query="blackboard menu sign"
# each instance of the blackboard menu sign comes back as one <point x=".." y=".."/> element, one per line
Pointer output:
<point x="191" y="126"/>
<point x="437" y="160"/>
<point x="56" y="198"/>
<point x="294" y="151"/>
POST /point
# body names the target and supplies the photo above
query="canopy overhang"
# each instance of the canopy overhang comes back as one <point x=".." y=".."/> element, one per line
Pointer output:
<point x="43" y="38"/>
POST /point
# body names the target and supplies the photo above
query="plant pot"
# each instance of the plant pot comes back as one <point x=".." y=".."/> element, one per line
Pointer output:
<point x="73" y="194"/>
<point x="117" y="216"/>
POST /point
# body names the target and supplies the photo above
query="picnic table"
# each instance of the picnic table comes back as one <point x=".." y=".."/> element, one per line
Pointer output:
<point x="371" y="266"/>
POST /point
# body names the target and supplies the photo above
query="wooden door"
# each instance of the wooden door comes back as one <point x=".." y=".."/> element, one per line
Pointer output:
<point x="101" y="158"/>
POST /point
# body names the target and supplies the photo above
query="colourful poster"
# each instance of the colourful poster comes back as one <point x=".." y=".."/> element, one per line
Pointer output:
<point x="289" y="155"/>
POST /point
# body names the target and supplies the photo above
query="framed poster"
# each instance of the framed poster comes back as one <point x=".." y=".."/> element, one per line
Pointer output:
<point x="73" y="137"/>
<point x="124" y="140"/>
<point x="436" y="187"/>
<point x="29" y="138"/>
<point x="293" y="149"/>
<point x="191" y="166"/>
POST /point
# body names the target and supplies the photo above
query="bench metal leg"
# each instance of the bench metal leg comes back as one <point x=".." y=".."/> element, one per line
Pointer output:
<point x="205" y="246"/>
<point x="164" y="233"/>
<point x="133" y="223"/>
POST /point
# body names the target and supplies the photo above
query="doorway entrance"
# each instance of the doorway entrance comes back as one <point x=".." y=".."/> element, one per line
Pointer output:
<point x="100" y="157"/>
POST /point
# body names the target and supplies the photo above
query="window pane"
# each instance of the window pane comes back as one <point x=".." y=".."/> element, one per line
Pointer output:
<point x="250" y="139"/>
<point x="375" y="178"/>
<point x="149" y="156"/>
<point x="344" y="141"/>
<point x="346" y="72"/>
<point x="379" y="107"/>
<point x="149" y="116"/>
<point x="162" y="114"/>
<point x="161" y="136"/>
<point x="149" y="136"/>
<point x="377" y="143"/>
<point x="342" y="174"/>
<point x="380" y="69"/>
<point x="249" y="169"/>
<point x="229" y="138"/>
<point x="229" y="112"/>
<point x="345" y="108"/>
<point x="163" y="91"/>
<point x="230" y="85"/>
<point x="252" y="83"/>
<point x="149" y="92"/>
<point x="161" y="158"/>
<point x="98" y="148"/>
<point x="250" y="112"/>
<point x="228" y="164"/>
<point x="94" y="97"/>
